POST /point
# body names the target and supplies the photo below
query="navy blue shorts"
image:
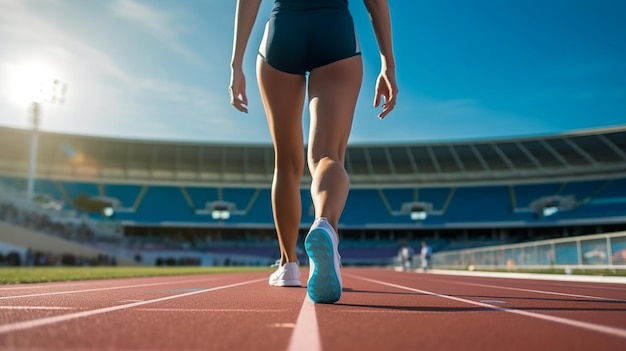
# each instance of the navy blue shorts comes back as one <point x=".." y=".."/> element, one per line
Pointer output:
<point x="299" y="41"/>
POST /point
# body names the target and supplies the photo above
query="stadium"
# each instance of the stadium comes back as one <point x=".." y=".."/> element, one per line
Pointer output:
<point x="487" y="211"/>
<point x="176" y="203"/>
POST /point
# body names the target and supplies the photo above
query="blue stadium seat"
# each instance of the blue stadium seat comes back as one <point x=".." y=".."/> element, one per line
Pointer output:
<point x="364" y="207"/>
<point x="480" y="204"/>
<point x="126" y="194"/>
<point x="200" y="196"/>
<point x="525" y="194"/>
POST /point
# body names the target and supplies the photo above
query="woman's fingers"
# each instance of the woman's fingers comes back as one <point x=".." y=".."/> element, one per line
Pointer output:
<point x="237" y="91"/>
<point x="388" y="106"/>
<point x="386" y="92"/>
<point x="240" y="103"/>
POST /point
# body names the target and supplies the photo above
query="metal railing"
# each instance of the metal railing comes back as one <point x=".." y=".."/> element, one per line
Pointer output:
<point x="598" y="251"/>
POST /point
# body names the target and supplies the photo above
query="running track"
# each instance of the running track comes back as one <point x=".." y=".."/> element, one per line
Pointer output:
<point x="380" y="309"/>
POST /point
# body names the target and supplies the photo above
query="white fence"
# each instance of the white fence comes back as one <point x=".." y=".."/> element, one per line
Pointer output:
<point x="599" y="251"/>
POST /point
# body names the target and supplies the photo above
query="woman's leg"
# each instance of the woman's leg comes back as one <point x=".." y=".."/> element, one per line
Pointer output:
<point x="283" y="99"/>
<point x="333" y="92"/>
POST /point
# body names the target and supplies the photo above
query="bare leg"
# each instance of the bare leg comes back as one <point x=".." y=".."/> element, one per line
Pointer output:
<point x="283" y="98"/>
<point x="333" y="92"/>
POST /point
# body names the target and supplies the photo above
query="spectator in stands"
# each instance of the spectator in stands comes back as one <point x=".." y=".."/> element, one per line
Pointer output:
<point x="406" y="256"/>
<point x="318" y="38"/>
<point x="425" y="255"/>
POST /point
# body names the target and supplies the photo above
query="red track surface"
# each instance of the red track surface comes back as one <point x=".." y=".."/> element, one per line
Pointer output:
<point x="379" y="310"/>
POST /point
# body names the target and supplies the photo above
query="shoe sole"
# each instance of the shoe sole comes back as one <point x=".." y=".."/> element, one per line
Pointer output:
<point x="287" y="283"/>
<point x="324" y="285"/>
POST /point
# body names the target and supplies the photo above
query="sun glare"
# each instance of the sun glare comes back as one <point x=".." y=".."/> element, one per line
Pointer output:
<point x="33" y="82"/>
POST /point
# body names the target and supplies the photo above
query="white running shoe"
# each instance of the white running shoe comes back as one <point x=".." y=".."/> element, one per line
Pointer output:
<point x="321" y="244"/>
<point x="286" y="275"/>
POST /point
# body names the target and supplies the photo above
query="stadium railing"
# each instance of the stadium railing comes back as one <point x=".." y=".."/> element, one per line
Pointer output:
<point x="598" y="251"/>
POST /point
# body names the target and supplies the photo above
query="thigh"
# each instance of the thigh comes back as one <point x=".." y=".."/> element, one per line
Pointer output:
<point x="333" y="93"/>
<point x="283" y="99"/>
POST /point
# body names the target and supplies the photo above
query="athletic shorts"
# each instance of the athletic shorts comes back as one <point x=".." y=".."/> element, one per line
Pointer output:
<point x="299" y="41"/>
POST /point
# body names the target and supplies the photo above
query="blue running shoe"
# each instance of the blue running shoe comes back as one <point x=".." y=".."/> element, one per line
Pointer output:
<point x="321" y="244"/>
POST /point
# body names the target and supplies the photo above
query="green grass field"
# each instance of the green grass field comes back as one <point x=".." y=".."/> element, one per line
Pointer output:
<point x="9" y="275"/>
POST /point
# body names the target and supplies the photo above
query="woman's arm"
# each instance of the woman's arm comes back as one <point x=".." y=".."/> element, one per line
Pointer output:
<point x="386" y="86"/>
<point x="245" y="16"/>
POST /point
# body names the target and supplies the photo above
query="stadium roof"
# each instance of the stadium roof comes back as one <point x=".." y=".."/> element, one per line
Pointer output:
<point x="585" y="154"/>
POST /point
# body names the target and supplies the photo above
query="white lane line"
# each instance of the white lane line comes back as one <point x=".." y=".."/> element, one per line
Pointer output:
<point x="54" y="284"/>
<point x="535" y="276"/>
<point x="542" y="292"/>
<point x="584" y="325"/>
<point x="104" y="289"/>
<point x="68" y="284"/>
<point x="306" y="336"/>
<point x="12" y="327"/>
<point x="494" y="301"/>
<point x="245" y="310"/>
<point x="35" y="308"/>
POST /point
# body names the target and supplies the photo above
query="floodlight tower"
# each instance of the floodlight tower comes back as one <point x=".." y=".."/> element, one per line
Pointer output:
<point x="50" y="92"/>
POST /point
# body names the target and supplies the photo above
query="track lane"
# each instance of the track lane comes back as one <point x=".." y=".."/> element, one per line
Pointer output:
<point x="17" y="326"/>
<point x="187" y="317"/>
<point x="595" y="303"/>
<point x="408" y="310"/>
<point x="480" y="312"/>
<point x="42" y="289"/>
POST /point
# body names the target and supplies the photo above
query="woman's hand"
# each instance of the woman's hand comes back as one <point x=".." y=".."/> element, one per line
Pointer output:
<point x="237" y="90"/>
<point x="386" y="91"/>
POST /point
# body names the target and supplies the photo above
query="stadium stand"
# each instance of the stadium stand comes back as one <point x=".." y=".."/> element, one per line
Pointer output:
<point x="168" y="195"/>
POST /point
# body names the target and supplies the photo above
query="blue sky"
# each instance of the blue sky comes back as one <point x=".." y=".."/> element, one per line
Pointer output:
<point x="466" y="69"/>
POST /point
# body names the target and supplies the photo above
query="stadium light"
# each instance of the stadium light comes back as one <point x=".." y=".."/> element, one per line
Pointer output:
<point x="220" y="212"/>
<point x="52" y="92"/>
<point x="549" y="210"/>
<point x="550" y="205"/>
<point x="418" y="213"/>
<point x="102" y="205"/>
<point x="108" y="211"/>
<point x="416" y="210"/>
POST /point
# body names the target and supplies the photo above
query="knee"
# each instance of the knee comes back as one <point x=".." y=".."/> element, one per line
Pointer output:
<point x="292" y="167"/>
<point x="324" y="163"/>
